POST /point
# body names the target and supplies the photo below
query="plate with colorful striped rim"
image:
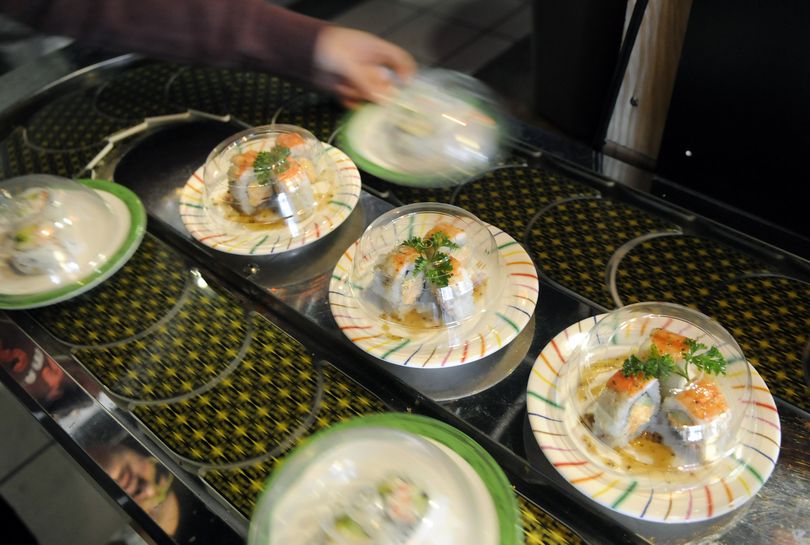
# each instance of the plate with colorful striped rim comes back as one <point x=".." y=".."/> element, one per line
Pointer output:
<point x="274" y="239"/>
<point x="494" y="329"/>
<point x="736" y="479"/>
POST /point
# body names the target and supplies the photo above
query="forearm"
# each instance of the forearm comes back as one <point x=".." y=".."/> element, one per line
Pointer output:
<point x="223" y="32"/>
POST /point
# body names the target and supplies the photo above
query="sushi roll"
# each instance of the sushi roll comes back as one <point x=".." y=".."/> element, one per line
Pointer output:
<point x="698" y="416"/>
<point x="625" y="408"/>
<point x="454" y="234"/>
<point x="404" y="504"/>
<point x="246" y="192"/>
<point x="37" y="248"/>
<point x="457" y="299"/>
<point x="396" y="279"/>
<point x="295" y="194"/>
<point x="673" y="344"/>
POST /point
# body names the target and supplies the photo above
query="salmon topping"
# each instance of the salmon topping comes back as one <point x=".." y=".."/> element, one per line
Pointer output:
<point x="448" y="230"/>
<point x="668" y="342"/>
<point x="627" y="385"/>
<point x="289" y="140"/>
<point x="703" y="400"/>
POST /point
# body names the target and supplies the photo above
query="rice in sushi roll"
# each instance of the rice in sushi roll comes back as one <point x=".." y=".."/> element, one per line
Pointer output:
<point x="698" y="415"/>
<point x="456" y="299"/>
<point x="625" y="408"/>
<point x="396" y="279"/>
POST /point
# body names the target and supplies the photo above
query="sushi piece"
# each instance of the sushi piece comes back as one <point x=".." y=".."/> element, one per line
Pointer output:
<point x="294" y="191"/>
<point x="38" y="248"/>
<point x="396" y="279"/>
<point x="454" y="234"/>
<point x="457" y="299"/>
<point x="625" y="408"/>
<point x="247" y="194"/>
<point x="404" y="504"/>
<point x="698" y="415"/>
<point x="675" y="345"/>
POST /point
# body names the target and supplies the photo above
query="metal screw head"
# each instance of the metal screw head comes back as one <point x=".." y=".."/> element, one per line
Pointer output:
<point x="250" y="269"/>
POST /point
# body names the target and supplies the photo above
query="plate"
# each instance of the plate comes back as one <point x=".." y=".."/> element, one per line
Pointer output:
<point x="636" y="496"/>
<point x="499" y="512"/>
<point x="372" y="154"/>
<point x="491" y="332"/>
<point x="278" y="239"/>
<point x="130" y="216"/>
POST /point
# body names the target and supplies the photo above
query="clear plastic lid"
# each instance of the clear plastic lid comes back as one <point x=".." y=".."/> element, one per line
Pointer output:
<point x="366" y="486"/>
<point x="427" y="266"/>
<point x="267" y="175"/>
<point x="441" y="127"/>
<point x="53" y="231"/>
<point x="662" y="388"/>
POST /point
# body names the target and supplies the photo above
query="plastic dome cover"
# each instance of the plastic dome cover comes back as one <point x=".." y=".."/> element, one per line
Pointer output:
<point x="367" y="486"/>
<point x="53" y="231"/>
<point x="443" y="126"/>
<point x="663" y="389"/>
<point x="267" y="175"/>
<point x="427" y="267"/>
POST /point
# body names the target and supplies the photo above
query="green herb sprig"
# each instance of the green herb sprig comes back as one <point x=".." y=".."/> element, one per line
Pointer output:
<point x="432" y="261"/>
<point x="660" y="366"/>
<point x="273" y="162"/>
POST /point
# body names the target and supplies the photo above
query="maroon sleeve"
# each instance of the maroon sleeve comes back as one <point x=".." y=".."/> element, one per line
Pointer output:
<point x="221" y="32"/>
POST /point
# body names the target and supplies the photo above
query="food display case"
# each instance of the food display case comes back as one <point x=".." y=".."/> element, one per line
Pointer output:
<point x="214" y="355"/>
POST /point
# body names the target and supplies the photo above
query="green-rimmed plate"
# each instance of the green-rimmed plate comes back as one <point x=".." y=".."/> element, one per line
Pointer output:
<point x="129" y="213"/>
<point x="364" y="137"/>
<point x="481" y="470"/>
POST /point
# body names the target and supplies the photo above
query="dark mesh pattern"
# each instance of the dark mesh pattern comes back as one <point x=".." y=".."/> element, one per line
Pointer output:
<point x="70" y="123"/>
<point x="180" y="356"/>
<point x="132" y="300"/>
<point x="250" y="412"/>
<point x="509" y="197"/>
<point x="769" y="316"/>
<point x="17" y="158"/>
<point x="572" y="242"/>
<point x="138" y="93"/>
<point x="260" y="96"/>
<point x="679" y="269"/>
<point x="317" y="113"/>
<point x="342" y="399"/>
<point x="204" y="89"/>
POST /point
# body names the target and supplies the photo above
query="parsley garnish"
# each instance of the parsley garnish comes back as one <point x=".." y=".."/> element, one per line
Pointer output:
<point x="434" y="263"/>
<point x="273" y="162"/>
<point x="661" y="365"/>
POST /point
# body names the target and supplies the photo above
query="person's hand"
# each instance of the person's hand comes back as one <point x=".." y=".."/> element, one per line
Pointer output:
<point x="358" y="66"/>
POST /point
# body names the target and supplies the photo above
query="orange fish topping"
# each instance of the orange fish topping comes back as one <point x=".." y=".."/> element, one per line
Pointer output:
<point x="289" y="139"/>
<point x="630" y="385"/>
<point x="668" y="342"/>
<point x="703" y="400"/>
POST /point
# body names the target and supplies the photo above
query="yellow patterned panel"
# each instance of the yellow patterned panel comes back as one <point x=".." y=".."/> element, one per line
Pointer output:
<point x="572" y="242"/>
<point x="18" y="158"/>
<point x="138" y="93"/>
<point x="510" y="197"/>
<point x="769" y="316"/>
<point x="250" y="412"/>
<point x="679" y="269"/>
<point x="342" y="399"/>
<point x="133" y="299"/>
<point x="71" y="122"/>
<point x="317" y="113"/>
<point x="180" y="356"/>
<point x="540" y="528"/>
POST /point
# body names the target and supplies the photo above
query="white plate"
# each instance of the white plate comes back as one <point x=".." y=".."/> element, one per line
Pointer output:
<point x="278" y="238"/>
<point x="492" y="331"/>
<point x="701" y="497"/>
